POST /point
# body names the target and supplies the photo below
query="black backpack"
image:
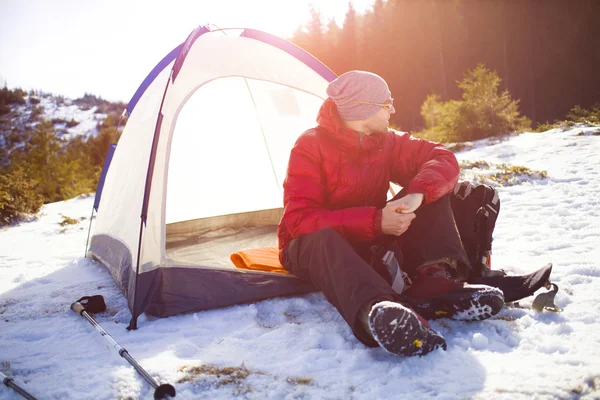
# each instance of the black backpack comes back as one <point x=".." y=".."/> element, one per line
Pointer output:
<point x="476" y="209"/>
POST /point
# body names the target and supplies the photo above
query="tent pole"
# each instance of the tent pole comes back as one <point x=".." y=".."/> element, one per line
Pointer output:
<point x="134" y="316"/>
<point x="87" y="242"/>
<point x="146" y="200"/>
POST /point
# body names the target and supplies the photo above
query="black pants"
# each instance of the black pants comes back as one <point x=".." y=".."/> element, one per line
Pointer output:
<point x="343" y="271"/>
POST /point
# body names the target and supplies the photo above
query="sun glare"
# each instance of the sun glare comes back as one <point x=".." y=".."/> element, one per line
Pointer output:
<point x="108" y="47"/>
<point x="281" y="18"/>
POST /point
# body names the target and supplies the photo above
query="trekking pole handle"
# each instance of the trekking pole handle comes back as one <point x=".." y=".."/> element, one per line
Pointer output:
<point x="77" y="307"/>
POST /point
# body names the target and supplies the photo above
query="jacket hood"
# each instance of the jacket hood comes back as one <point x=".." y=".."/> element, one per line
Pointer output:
<point x="347" y="139"/>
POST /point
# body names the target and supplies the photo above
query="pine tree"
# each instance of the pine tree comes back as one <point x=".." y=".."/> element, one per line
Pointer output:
<point x="348" y="54"/>
<point x="17" y="196"/>
<point x="483" y="112"/>
<point x="332" y="38"/>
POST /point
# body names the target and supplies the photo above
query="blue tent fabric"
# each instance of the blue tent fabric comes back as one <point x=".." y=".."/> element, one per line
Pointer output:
<point x="151" y="76"/>
<point x="107" y="160"/>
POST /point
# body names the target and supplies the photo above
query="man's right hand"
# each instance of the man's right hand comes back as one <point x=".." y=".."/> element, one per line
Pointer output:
<point x="393" y="222"/>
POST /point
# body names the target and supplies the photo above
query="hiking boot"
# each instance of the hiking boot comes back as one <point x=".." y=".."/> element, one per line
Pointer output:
<point x="401" y="331"/>
<point x="435" y="294"/>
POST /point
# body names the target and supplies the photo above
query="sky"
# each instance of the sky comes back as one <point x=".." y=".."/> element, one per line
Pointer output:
<point x="107" y="47"/>
<point x="300" y="347"/>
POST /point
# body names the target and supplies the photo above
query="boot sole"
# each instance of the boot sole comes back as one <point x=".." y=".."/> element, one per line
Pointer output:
<point x="400" y="331"/>
<point x="476" y="303"/>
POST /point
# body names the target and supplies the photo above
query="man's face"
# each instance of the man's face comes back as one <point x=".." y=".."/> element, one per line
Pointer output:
<point x="380" y="121"/>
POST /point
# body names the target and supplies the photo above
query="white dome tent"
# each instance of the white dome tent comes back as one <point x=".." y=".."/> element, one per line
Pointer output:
<point x="198" y="171"/>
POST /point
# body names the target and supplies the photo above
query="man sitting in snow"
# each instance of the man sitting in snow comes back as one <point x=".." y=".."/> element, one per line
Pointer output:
<point x="337" y="224"/>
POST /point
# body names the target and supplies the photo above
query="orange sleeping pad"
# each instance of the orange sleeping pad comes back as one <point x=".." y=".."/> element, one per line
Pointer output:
<point x="263" y="259"/>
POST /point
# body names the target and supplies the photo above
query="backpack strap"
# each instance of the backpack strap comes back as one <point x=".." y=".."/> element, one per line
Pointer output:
<point x="463" y="189"/>
<point x="487" y="210"/>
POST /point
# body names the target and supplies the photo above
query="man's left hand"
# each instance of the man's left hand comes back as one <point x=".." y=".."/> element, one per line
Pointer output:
<point x="408" y="203"/>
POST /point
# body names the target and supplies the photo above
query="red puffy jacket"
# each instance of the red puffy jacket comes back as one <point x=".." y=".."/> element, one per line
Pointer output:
<point x="338" y="178"/>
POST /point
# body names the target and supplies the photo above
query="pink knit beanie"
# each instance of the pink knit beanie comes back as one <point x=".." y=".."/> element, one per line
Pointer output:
<point x="352" y="87"/>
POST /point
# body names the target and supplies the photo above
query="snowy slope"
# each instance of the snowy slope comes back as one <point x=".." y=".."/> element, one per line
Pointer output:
<point x="300" y="348"/>
<point x="51" y="108"/>
<point x="88" y="119"/>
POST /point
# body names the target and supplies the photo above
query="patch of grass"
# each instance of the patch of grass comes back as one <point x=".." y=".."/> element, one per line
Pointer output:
<point x="577" y="390"/>
<point x="67" y="221"/>
<point x="508" y="318"/>
<point x="499" y="174"/>
<point x="224" y="375"/>
<point x="298" y="380"/>
<point x="231" y="376"/>
<point x="589" y="386"/>
<point x="593" y="133"/>
<point x="521" y="170"/>
<point x="480" y="164"/>
<point x="5" y="366"/>
<point x="511" y="175"/>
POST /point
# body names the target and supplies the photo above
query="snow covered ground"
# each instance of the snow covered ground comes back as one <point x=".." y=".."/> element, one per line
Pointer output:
<point x="300" y="348"/>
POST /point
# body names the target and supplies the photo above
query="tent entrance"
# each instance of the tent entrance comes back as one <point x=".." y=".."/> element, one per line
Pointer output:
<point x="210" y="241"/>
<point x="227" y="161"/>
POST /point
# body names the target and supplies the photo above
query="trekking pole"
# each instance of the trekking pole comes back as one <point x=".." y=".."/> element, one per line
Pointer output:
<point x="163" y="391"/>
<point x="11" y="384"/>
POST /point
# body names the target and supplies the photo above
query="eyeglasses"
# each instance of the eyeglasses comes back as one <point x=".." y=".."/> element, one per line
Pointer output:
<point x="387" y="105"/>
